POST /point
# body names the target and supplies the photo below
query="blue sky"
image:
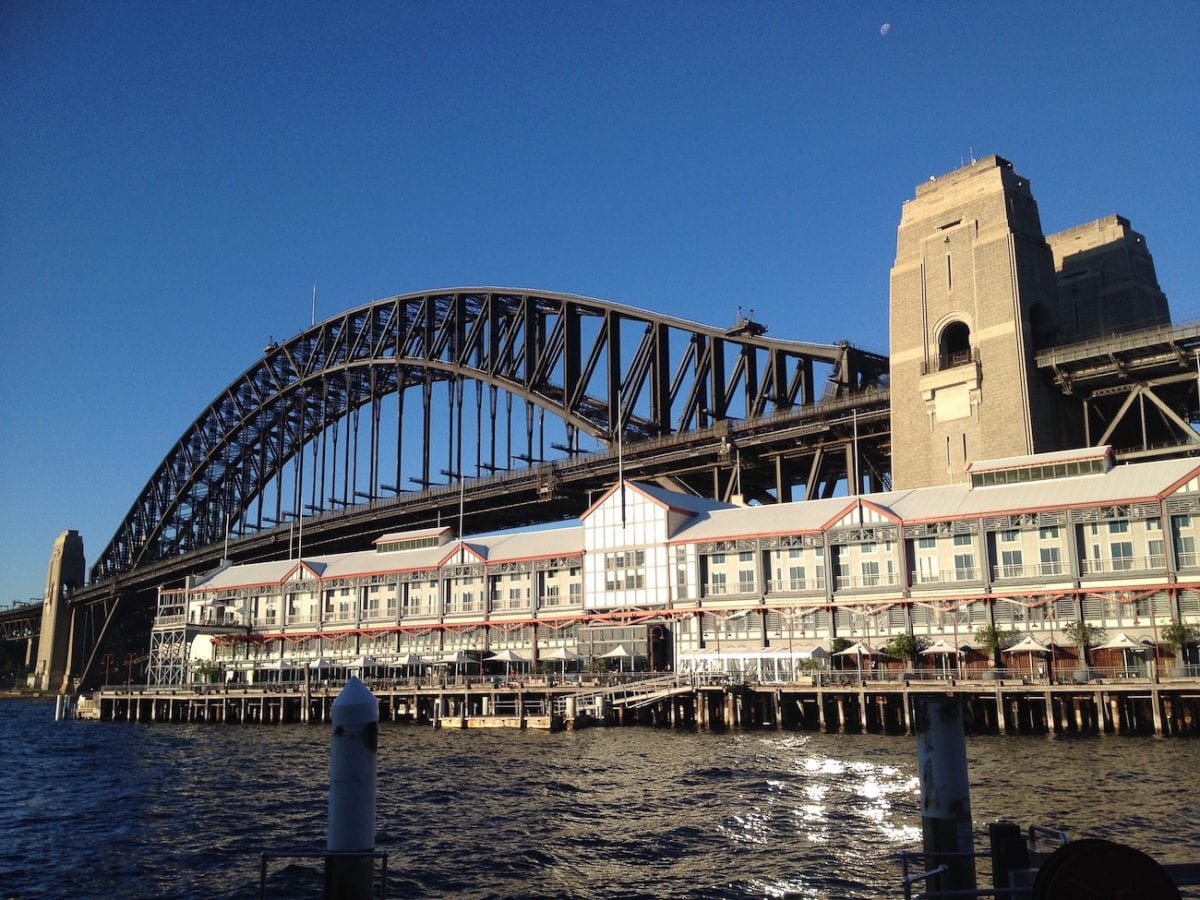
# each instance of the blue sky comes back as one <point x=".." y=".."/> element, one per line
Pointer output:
<point x="175" y="177"/>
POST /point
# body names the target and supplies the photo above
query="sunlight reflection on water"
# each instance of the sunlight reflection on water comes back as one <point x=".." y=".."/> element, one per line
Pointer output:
<point x="183" y="811"/>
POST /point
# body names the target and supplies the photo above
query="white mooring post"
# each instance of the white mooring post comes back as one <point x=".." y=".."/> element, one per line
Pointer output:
<point x="352" y="762"/>
<point x="945" y="791"/>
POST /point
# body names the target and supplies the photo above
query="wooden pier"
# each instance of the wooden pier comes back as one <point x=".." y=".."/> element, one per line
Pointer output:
<point x="1146" y="707"/>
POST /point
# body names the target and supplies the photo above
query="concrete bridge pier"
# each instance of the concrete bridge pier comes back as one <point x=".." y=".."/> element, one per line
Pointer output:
<point x="54" y="669"/>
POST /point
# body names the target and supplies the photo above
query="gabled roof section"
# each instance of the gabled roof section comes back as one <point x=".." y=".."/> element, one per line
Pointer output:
<point x="672" y="501"/>
<point x="306" y="570"/>
<point x="858" y="511"/>
<point x="463" y="553"/>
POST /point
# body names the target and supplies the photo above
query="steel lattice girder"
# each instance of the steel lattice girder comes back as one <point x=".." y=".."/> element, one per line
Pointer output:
<point x="564" y="354"/>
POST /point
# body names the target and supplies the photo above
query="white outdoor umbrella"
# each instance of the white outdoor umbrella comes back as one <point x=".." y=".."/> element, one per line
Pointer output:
<point x="618" y="653"/>
<point x="859" y="650"/>
<point x="508" y="657"/>
<point x="1031" y="645"/>
<point x="942" y="648"/>
<point x="456" y="659"/>
<point x="364" y="662"/>
<point x="563" y="655"/>
<point x="1125" y="644"/>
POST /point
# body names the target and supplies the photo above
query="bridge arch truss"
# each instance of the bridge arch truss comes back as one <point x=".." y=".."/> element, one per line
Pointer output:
<point x="363" y="404"/>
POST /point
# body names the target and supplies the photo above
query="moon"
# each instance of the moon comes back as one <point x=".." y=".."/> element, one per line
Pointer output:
<point x="885" y="28"/>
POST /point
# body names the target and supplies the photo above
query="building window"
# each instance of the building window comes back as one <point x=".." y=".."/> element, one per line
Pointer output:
<point x="964" y="566"/>
<point x="1010" y="536"/>
<point x="1051" y="564"/>
<point x="1121" y="553"/>
<point x="1121" y="527"/>
<point x="870" y="573"/>
<point x="927" y="543"/>
<point x="1048" y="533"/>
<point x="962" y="540"/>
<point x="795" y="578"/>
<point x="1010" y="563"/>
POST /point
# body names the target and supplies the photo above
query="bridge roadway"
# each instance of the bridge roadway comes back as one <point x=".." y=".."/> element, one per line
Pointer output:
<point x="805" y="446"/>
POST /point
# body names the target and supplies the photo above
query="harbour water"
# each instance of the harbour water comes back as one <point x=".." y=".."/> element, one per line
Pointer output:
<point x="93" y="809"/>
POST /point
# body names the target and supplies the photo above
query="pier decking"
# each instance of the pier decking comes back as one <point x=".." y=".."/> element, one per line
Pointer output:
<point x="828" y="703"/>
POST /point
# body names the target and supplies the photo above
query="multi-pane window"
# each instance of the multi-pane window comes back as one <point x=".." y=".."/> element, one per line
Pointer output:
<point x="1051" y="563"/>
<point x="1121" y="553"/>
<point x="1010" y="563"/>
<point x="624" y="570"/>
<point x="795" y="578"/>
<point x="964" y="566"/>
<point x="1185" y="549"/>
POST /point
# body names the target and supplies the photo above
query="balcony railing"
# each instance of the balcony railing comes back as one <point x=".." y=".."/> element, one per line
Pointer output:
<point x="945" y="361"/>
<point x="858" y="582"/>
<point x="1122" y="564"/>
<point x="1030" y="570"/>
<point x="795" y="585"/>
<point x="945" y="576"/>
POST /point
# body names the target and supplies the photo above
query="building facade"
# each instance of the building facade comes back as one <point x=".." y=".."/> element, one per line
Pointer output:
<point x="1028" y="545"/>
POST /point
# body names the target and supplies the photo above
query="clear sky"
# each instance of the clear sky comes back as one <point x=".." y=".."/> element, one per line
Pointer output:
<point x="175" y="177"/>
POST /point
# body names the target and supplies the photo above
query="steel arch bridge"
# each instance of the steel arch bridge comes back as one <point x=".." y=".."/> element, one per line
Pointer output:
<point x="470" y="373"/>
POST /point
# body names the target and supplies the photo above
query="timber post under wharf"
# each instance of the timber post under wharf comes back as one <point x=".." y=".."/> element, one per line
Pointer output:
<point x="847" y="705"/>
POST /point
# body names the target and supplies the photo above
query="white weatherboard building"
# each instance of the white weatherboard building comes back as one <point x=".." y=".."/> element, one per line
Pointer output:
<point x="650" y="579"/>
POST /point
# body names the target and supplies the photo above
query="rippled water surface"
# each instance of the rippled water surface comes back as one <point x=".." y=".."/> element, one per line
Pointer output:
<point x="116" y="810"/>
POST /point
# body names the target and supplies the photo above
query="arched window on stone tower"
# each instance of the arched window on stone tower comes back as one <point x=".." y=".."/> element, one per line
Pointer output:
<point x="954" y="345"/>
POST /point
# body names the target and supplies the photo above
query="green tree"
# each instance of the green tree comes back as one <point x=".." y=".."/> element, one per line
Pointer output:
<point x="905" y="646"/>
<point x="1177" y="635"/>
<point x="992" y="640"/>
<point x="1083" y="636"/>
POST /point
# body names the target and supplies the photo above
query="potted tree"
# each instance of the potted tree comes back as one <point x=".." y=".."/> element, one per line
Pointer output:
<point x="991" y="641"/>
<point x="1177" y="636"/>
<point x="1083" y="636"/>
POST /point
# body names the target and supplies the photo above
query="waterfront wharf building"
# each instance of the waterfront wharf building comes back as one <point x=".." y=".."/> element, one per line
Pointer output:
<point x="658" y="581"/>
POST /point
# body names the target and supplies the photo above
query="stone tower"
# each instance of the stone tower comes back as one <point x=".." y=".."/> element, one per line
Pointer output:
<point x="973" y="295"/>
<point x="66" y="571"/>
<point x="1106" y="280"/>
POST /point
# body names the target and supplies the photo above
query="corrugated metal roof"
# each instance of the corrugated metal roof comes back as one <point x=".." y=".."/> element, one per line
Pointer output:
<point x="683" y="502"/>
<point x="1040" y="459"/>
<point x="416" y="534"/>
<point x="559" y="541"/>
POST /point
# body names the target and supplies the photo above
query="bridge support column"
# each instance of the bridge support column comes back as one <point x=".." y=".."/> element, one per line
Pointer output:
<point x="65" y="571"/>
